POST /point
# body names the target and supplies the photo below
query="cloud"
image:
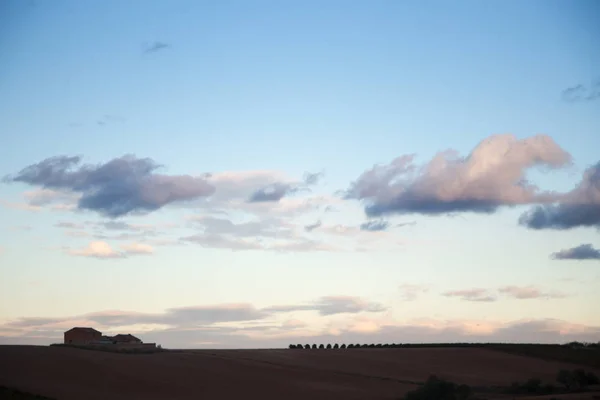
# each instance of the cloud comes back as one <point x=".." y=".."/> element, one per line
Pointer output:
<point x="294" y="323"/>
<point x="493" y="175"/>
<point x="516" y="292"/>
<point x="125" y="185"/>
<point x="44" y="197"/>
<point x="581" y="252"/>
<point x="312" y="227"/>
<point x="273" y="192"/>
<point x="529" y="292"/>
<point x="223" y="242"/>
<point x="582" y="93"/>
<point x="410" y="292"/>
<point x="313" y="178"/>
<point x="108" y="119"/>
<point x="267" y="233"/>
<point x="266" y="227"/>
<point x="302" y="245"/>
<point x="102" y="250"/>
<point x="374" y="226"/>
<point x="68" y="225"/>
<point x="331" y="305"/>
<point x="155" y="47"/>
<point x="277" y="190"/>
<point x="475" y="294"/>
<point x="209" y="317"/>
<point x="578" y="208"/>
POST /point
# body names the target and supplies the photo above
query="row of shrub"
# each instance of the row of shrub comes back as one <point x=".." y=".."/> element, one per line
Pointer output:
<point x="343" y="346"/>
<point x="430" y="345"/>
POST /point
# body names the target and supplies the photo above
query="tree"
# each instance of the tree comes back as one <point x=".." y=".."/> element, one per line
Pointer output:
<point x="329" y="346"/>
<point x="335" y="346"/>
<point x="292" y="346"/>
<point x="350" y="346"/>
<point x="378" y="345"/>
<point x="307" y="346"/>
<point x="314" y="346"/>
<point x="299" y="346"/>
<point x="321" y="346"/>
<point x="343" y="346"/>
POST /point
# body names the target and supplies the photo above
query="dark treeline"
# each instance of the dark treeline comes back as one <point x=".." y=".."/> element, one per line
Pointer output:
<point x="575" y="345"/>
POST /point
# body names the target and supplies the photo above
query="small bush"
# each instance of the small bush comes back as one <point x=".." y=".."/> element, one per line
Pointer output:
<point x="343" y="346"/>
<point x="321" y="346"/>
<point x="10" y="393"/>
<point x="439" y="389"/>
<point x="314" y="346"/>
<point x="336" y="346"/>
<point x="307" y="346"/>
<point x="532" y="386"/>
<point x="292" y="346"/>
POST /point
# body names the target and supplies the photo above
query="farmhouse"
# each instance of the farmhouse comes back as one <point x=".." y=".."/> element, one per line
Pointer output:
<point x="90" y="336"/>
<point x="82" y="336"/>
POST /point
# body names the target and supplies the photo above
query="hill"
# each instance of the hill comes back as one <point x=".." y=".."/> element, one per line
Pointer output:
<point x="70" y="373"/>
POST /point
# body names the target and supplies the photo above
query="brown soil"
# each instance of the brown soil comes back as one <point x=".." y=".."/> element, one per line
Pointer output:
<point x="73" y="374"/>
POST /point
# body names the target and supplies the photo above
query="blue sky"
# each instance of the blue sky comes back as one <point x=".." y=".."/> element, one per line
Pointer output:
<point x="258" y="94"/>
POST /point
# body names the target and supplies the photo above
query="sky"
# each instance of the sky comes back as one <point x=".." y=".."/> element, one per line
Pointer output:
<point x="234" y="174"/>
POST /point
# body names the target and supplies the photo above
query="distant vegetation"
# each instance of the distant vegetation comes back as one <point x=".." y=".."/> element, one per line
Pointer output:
<point x="573" y="381"/>
<point x="576" y="380"/>
<point x="587" y="354"/>
<point x="9" y="393"/>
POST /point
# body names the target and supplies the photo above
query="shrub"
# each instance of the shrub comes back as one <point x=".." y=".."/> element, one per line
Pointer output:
<point x="566" y="378"/>
<point x="328" y="346"/>
<point x="292" y="346"/>
<point x="533" y="385"/>
<point x="378" y="345"/>
<point x="364" y="345"/>
<point x="371" y="345"/>
<point x="335" y="346"/>
<point x="343" y="346"/>
<point x="350" y="346"/>
<point x="321" y="346"/>
<point x="307" y="346"/>
<point x="314" y="346"/>
<point x="592" y="379"/>
<point x="439" y="389"/>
